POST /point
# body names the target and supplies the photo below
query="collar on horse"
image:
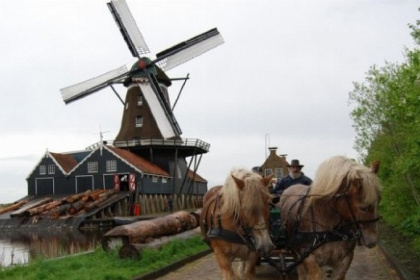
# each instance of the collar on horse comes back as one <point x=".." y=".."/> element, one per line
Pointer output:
<point x="341" y="232"/>
<point x="218" y="232"/>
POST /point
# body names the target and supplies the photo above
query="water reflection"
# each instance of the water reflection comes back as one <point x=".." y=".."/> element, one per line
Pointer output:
<point x="19" y="247"/>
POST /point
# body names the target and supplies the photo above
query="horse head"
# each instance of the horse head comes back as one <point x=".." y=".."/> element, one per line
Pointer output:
<point x="358" y="203"/>
<point x="253" y="211"/>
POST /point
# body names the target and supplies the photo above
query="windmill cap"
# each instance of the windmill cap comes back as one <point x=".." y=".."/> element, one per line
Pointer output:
<point x="295" y="162"/>
<point x="159" y="73"/>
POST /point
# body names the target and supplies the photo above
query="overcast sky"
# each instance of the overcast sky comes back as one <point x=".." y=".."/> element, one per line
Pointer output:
<point x="281" y="78"/>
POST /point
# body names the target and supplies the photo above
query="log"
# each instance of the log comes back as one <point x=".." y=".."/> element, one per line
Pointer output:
<point x="40" y="209"/>
<point x="99" y="200"/>
<point x="76" y="197"/>
<point x="133" y="250"/>
<point x="21" y="211"/>
<point x="13" y="207"/>
<point x="95" y="195"/>
<point x="76" y="207"/>
<point x="60" y="210"/>
<point x="52" y="205"/>
<point x="143" y="231"/>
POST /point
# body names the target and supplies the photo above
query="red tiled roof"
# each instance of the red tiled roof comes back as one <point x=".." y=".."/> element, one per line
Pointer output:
<point x="67" y="162"/>
<point x="139" y="162"/>
<point x="197" y="177"/>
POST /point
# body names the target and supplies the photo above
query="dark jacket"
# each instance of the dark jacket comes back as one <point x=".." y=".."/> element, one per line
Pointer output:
<point x="287" y="181"/>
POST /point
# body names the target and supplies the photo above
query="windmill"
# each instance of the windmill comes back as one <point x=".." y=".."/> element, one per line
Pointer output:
<point x="149" y="127"/>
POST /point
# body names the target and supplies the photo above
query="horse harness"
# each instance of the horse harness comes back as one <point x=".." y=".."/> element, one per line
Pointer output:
<point x="315" y="239"/>
<point x="216" y="231"/>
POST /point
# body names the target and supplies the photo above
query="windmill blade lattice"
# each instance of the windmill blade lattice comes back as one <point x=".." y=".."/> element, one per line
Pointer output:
<point x="189" y="49"/>
<point x="83" y="89"/>
<point x="128" y="27"/>
<point x="165" y="121"/>
<point x="152" y="82"/>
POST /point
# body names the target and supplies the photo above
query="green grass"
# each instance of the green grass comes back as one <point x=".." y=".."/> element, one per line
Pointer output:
<point x="105" y="265"/>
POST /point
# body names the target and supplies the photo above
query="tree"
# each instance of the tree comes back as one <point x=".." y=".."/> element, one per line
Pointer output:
<point x="386" y="118"/>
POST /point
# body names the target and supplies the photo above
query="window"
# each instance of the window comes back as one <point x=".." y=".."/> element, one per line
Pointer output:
<point x="92" y="167"/>
<point x="42" y="170"/>
<point x="51" y="169"/>
<point x="139" y="121"/>
<point x="279" y="173"/>
<point x="154" y="179"/>
<point x="111" y="166"/>
<point x="164" y="180"/>
<point x="268" y="172"/>
<point x="139" y="100"/>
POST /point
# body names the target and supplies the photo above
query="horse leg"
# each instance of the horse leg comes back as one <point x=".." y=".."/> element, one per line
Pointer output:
<point x="225" y="264"/>
<point x="311" y="270"/>
<point x="301" y="272"/>
<point x="341" y="267"/>
<point x="249" y="269"/>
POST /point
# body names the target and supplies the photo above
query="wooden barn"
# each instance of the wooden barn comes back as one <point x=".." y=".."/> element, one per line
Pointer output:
<point x="105" y="167"/>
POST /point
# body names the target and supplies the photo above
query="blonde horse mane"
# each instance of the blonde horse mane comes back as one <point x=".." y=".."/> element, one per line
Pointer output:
<point x="248" y="197"/>
<point x="331" y="173"/>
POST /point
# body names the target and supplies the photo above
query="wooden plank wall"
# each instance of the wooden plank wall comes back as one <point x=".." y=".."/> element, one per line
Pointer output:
<point x="157" y="203"/>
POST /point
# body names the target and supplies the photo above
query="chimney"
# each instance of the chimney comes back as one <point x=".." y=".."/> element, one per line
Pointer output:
<point x="273" y="150"/>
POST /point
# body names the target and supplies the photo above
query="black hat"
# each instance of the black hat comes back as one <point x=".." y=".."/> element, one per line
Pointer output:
<point x="257" y="169"/>
<point x="295" y="162"/>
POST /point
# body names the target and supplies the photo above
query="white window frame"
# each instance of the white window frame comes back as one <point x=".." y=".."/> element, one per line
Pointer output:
<point x="268" y="172"/>
<point x="111" y="165"/>
<point x="51" y="169"/>
<point x="140" y="100"/>
<point x="278" y="171"/>
<point x="139" y="121"/>
<point x="92" y="167"/>
<point x="154" y="179"/>
<point x="42" y="170"/>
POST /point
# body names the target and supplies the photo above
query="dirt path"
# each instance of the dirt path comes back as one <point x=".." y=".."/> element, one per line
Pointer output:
<point x="368" y="264"/>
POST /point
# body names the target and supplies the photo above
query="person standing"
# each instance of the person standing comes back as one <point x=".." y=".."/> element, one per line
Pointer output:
<point x="294" y="177"/>
<point x="170" y="203"/>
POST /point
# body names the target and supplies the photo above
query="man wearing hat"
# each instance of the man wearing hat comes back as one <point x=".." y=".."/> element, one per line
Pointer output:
<point x="294" y="177"/>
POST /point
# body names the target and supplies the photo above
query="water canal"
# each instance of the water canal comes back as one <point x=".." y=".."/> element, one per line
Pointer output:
<point x="22" y="246"/>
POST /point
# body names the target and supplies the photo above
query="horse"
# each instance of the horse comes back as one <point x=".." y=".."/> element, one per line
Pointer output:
<point x="325" y="221"/>
<point x="234" y="221"/>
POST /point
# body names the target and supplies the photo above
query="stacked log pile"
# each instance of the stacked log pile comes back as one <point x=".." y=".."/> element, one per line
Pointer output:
<point x="13" y="207"/>
<point x="150" y="233"/>
<point x="71" y="205"/>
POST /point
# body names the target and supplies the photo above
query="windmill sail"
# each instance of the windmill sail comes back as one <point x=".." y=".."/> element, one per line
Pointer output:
<point x="128" y="27"/>
<point x="189" y="49"/>
<point x="164" y="118"/>
<point x="80" y="90"/>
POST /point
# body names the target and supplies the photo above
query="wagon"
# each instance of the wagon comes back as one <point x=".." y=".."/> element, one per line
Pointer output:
<point x="310" y="228"/>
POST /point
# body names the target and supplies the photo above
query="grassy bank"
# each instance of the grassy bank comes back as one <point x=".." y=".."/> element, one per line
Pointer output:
<point x="105" y="266"/>
<point x="399" y="247"/>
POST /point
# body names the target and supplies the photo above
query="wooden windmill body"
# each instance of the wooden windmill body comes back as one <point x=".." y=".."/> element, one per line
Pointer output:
<point x="148" y="126"/>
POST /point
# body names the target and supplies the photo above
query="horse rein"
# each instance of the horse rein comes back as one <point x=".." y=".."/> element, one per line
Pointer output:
<point x="357" y="233"/>
<point x="247" y="238"/>
<point x="343" y="232"/>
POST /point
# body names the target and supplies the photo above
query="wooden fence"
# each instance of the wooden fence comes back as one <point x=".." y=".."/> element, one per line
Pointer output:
<point x="158" y="203"/>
